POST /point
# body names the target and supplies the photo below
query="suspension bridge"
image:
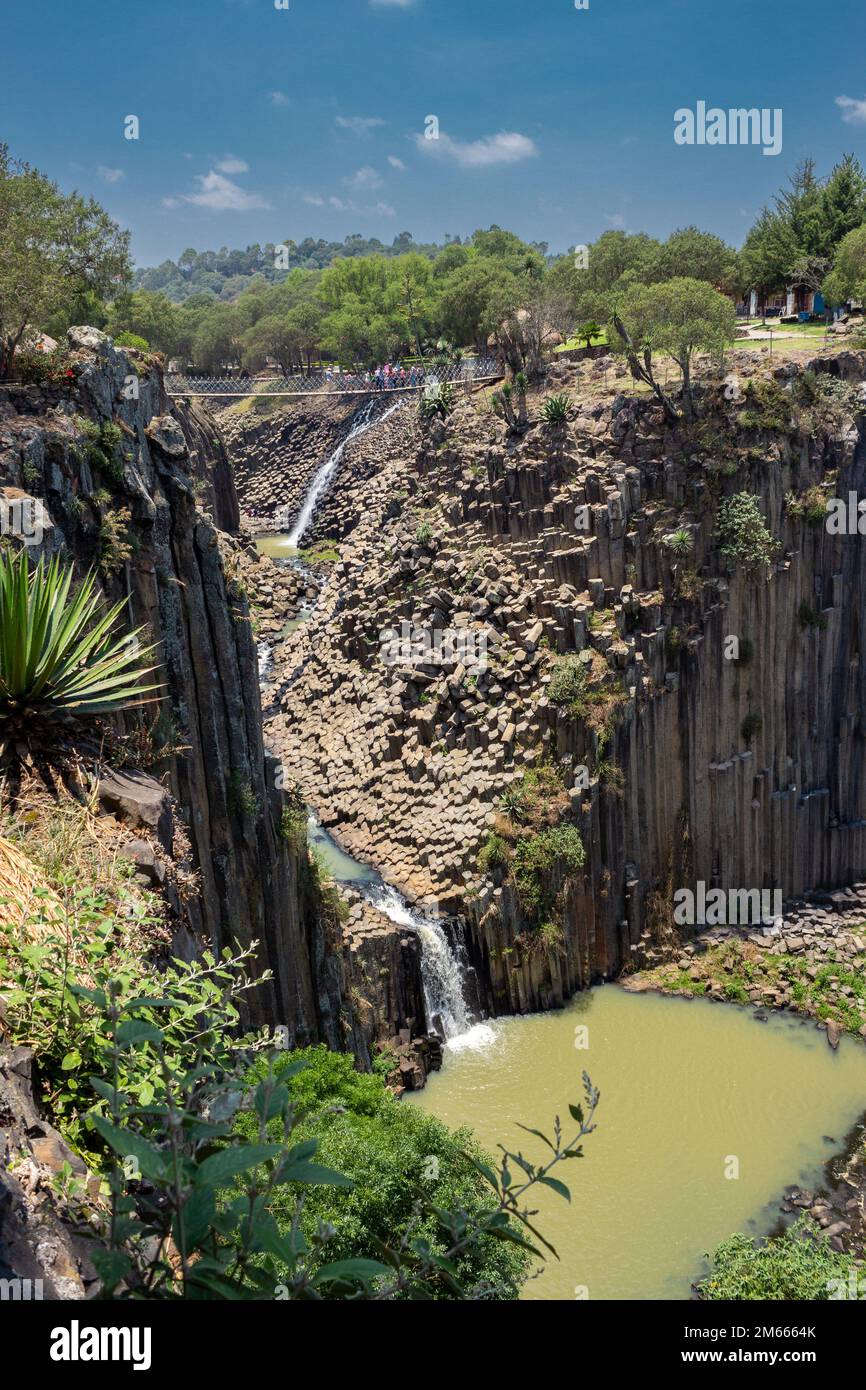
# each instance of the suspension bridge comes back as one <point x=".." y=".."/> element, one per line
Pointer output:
<point x="336" y="382"/>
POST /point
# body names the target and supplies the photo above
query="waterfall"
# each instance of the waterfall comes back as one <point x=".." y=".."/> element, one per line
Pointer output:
<point x="363" y="421"/>
<point x="441" y="971"/>
<point x="442" y="974"/>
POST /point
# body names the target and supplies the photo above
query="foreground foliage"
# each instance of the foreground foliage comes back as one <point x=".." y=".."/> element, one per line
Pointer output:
<point x="231" y="1169"/>
<point x="795" y="1265"/>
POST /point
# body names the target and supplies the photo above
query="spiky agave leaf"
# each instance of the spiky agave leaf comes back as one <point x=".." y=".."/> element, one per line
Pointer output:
<point x="60" y="656"/>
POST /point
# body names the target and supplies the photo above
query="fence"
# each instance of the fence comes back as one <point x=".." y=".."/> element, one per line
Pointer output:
<point x="335" y="381"/>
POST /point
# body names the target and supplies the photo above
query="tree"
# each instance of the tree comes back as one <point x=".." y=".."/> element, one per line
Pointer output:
<point x="55" y="246"/>
<point x="217" y="341"/>
<point x="151" y="316"/>
<point x="696" y="255"/>
<point x="678" y="317"/>
<point x="847" y="280"/>
<point x="464" y="306"/>
<point x="517" y="318"/>
<point x="588" y="331"/>
<point x="769" y="252"/>
<point x="271" y="336"/>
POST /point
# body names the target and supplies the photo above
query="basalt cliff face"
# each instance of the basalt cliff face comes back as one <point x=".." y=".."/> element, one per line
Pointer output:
<point x="690" y="758"/>
<point x="142" y="488"/>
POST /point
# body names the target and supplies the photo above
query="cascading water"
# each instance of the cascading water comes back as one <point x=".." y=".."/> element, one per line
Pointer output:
<point x="363" y="421"/>
<point x="441" y="972"/>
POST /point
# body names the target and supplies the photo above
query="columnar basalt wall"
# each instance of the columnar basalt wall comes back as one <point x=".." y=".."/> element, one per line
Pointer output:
<point x="138" y="519"/>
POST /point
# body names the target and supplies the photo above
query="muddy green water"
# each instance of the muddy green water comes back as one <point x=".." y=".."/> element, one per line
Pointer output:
<point x="276" y="546"/>
<point x="685" y="1085"/>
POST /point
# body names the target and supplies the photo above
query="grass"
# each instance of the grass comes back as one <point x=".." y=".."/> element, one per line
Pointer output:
<point x="597" y="341"/>
<point x="736" y="968"/>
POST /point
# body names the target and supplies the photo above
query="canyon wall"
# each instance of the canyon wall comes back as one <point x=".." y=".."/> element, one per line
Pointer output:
<point x="150" y="507"/>
<point x="744" y="773"/>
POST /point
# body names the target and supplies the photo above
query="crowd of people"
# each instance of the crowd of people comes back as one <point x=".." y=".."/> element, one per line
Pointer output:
<point x="389" y="377"/>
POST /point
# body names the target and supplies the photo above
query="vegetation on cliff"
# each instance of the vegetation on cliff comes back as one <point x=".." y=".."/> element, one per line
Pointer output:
<point x="796" y="1265"/>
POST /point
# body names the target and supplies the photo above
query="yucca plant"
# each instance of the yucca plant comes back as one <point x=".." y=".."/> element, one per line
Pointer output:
<point x="61" y="660"/>
<point x="681" y="542"/>
<point x="554" y="411"/>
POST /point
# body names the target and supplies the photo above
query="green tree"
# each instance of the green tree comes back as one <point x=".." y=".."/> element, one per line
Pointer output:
<point x="150" y="315"/>
<point x="696" y="255"/>
<point x="847" y="280"/>
<point x="55" y="246"/>
<point x="678" y="317"/>
<point x="465" y="308"/>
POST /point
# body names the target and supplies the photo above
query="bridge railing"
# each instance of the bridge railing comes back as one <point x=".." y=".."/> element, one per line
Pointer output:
<point x="335" y="382"/>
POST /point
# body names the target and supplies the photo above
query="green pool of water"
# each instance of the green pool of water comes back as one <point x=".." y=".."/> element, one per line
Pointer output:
<point x="685" y="1087"/>
<point x="276" y="547"/>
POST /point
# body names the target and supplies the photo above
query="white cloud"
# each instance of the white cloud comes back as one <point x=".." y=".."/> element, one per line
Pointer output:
<point x="278" y="98"/>
<point x="110" y="175"/>
<point x="395" y="4"/>
<point x="615" y="219"/>
<point x="365" y="177"/>
<point x="230" y="164"/>
<point x="396" y="163"/>
<point x="508" y="147"/>
<point x="314" y="200"/>
<point x="349" y="205"/>
<point x="359" y="125"/>
<point x="854" y="111"/>
<point x="220" y="194"/>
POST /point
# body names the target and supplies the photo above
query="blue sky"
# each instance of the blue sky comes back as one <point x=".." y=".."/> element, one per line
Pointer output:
<point x="258" y="124"/>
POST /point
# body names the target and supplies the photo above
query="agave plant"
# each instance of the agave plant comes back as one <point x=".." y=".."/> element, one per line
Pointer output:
<point x="554" y="411"/>
<point x="438" y="400"/>
<point x="61" y="661"/>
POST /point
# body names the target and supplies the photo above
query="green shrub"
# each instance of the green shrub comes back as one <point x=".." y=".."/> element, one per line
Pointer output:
<point x="58" y="973"/>
<point x="742" y="533"/>
<point x="131" y="340"/>
<point x="810" y="504"/>
<point x="35" y="367"/>
<point x="791" y="1267"/>
<point x="437" y="401"/>
<point x="61" y="661"/>
<point x="807" y="616"/>
<point x="567" y="680"/>
<point x="242" y="799"/>
<point x="103" y="447"/>
<point x="535" y="858"/>
<point x="493" y="854"/>
<point x="401" y="1162"/>
<point x="767" y="406"/>
<point x="537" y="798"/>
<point x="680" y="542"/>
